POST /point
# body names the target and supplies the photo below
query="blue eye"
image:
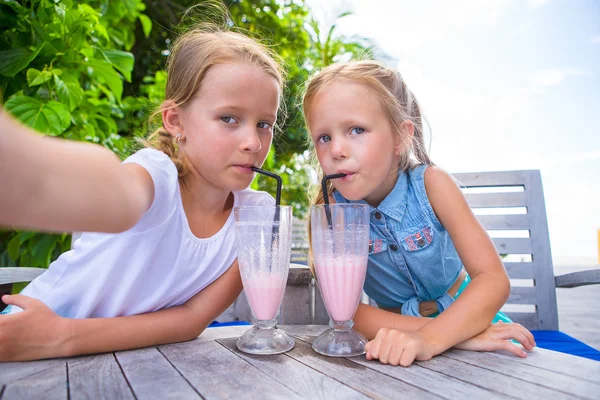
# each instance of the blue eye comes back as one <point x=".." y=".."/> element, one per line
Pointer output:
<point x="264" y="125"/>
<point x="228" y="120"/>
<point x="357" y="130"/>
<point x="324" y="139"/>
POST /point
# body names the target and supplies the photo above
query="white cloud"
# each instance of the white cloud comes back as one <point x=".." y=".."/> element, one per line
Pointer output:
<point x="595" y="39"/>
<point x="414" y="24"/>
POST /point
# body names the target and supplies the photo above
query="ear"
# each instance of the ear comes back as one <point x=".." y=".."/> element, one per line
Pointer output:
<point x="405" y="137"/>
<point x="172" y="118"/>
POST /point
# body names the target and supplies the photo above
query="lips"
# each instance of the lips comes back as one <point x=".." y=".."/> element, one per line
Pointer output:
<point x="346" y="178"/>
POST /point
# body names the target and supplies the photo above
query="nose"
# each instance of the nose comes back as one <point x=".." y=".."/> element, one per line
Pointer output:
<point x="251" y="142"/>
<point x="338" y="149"/>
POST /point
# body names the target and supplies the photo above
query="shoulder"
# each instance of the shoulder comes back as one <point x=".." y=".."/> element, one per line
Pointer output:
<point x="152" y="160"/>
<point x="435" y="176"/>
<point x="443" y="192"/>
<point x="164" y="184"/>
<point x="251" y="197"/>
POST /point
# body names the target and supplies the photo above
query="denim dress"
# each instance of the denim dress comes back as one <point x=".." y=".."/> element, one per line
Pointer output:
<point x="411" y="256"/>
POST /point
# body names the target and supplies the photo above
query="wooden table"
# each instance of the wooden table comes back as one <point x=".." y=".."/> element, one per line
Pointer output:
<point x="212" y="367"/>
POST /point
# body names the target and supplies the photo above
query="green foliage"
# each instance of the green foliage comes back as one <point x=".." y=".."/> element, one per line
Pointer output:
<point x="62" y="67"/>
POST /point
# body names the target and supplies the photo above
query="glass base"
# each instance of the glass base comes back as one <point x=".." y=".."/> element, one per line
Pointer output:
<point x="340" y="341"/>
<point x="265" y="340"/>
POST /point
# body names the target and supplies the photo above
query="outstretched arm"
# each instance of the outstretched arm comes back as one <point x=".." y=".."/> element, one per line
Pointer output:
<point x="38" y="332"/>
<point x="60" y="185"/>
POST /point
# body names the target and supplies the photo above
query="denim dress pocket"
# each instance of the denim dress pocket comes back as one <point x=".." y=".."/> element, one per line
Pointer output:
<point x="377" y="245"/>
<point x="417" y="238"/>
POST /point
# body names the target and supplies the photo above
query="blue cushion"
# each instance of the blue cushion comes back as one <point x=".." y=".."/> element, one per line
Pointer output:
<point x="216" y="324"/>
<point x="559" y="341"/>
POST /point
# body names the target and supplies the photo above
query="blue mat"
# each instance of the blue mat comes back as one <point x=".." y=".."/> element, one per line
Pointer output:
<point x="216" y="324"/>
<point x="559" y="341"/>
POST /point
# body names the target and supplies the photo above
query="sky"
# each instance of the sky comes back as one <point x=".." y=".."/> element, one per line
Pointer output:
<point x="505" y="85"/>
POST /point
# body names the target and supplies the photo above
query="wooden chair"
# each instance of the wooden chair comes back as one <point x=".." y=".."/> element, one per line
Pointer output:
<point x="517" y="201"/>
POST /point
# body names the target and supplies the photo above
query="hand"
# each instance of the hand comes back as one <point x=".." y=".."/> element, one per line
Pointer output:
<point x="497" y="336"/>
<point x="395" y="347"/>
<point x="36" y="332"/>
<point x="427" y="308"/>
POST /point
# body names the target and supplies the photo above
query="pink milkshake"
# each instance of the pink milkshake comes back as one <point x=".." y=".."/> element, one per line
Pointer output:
<point x="264" y="294"/>
<point x="341" y="281"/>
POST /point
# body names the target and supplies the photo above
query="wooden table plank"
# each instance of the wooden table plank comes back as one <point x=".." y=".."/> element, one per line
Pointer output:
<point x="215" y="372"/>
<point x="490" y="380"/>
<point x="151" y="376"/>
<point x="434" y="382"/>
<point x="358" y="377"/>
<point x="295" y="375"/>
<point x="97" y="377"/>
<point x="222" y="332"/>
<point x="47" y="383"/>
<point x="13" y="371"/>
<point x="578" y="367"/>
<point x="513" y="367"/>
<point x="445" y="386"/>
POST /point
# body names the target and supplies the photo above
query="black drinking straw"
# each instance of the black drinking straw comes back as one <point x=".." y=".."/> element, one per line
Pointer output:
<point x="276" y="218"/>
<point x="326" y="195"/>
<point x="272" y="175"/>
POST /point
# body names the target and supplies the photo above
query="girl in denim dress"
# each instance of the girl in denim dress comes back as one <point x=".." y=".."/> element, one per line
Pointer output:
<point x="428" y="254"/>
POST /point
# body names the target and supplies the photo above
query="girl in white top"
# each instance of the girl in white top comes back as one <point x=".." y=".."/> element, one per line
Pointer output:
<point x="176" y="254"/>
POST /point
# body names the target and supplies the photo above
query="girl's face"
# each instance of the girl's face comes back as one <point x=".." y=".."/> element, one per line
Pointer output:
<point x="228" y="125"/>
<point x="353" y="135"/>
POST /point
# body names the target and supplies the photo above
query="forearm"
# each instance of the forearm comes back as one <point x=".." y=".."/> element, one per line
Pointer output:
<point x="61" y="185"/>
<point x="100" y="335"/>
<point x="368" y="320"/>
<point x="471" y="313"/>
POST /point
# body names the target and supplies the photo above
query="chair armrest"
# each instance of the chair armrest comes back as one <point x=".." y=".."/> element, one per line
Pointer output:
<point x="581" y="278"/>
<point x="19" y="274"/>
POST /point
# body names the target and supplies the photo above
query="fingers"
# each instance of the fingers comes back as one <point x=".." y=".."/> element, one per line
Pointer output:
<point x="516" y="332"/>
<point x="385" y="349"/>
<point x="510" y="347"/>
<point x="396" y="355"/>
<point x="374" y="345"/>
<point x="19" y="300"/>
<point x="527" y="334"/>
<point x="408" y="356"/>
<point x="367" y="350"/>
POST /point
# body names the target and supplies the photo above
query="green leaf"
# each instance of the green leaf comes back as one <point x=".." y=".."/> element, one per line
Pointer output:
<point x="102" y="31"/>
<point x="25" y="236"/>
<point x="14" y="247"/>
<point x="36" y="77"/>
<point x="106" y="73"/>
<point x="52" y="117"/>
<point x="122" y="61"/>
<point x="42" y="249"/>
<point x="60" y="10"/>
<point x="14" y="60"/>
<point x="69" y="93"/>
<point x="146" y="24"/>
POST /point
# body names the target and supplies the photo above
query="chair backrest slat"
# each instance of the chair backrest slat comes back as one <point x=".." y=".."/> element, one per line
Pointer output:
<point x="527" y="258"/>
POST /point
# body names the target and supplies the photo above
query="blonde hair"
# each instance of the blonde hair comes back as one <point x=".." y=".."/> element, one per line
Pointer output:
<point x="191" y="57"/>
<point x="398" y="102"/>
